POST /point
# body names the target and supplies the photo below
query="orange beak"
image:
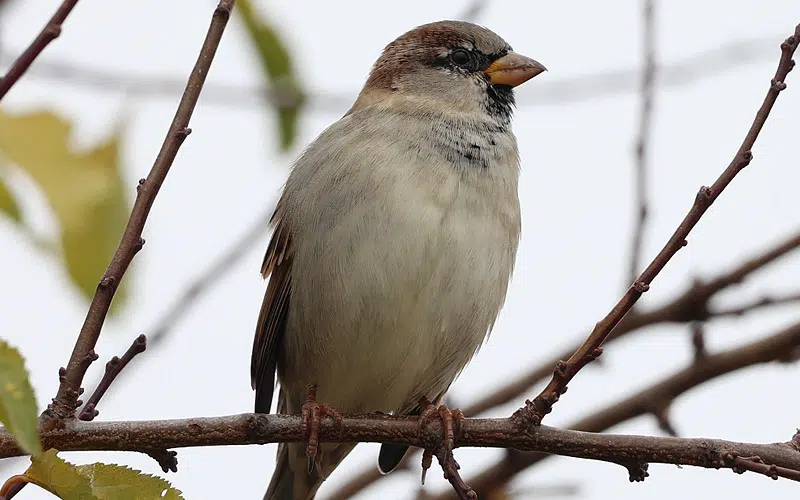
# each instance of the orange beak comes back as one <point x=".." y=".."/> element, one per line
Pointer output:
<point x="513" y="69"/>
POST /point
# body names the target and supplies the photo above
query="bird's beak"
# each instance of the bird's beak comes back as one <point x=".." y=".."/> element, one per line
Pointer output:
<point x="513" y="69"/>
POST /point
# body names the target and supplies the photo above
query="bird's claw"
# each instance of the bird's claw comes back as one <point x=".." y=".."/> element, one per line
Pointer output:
<point x="312" y="413"/>
<point x="450" y="420"/>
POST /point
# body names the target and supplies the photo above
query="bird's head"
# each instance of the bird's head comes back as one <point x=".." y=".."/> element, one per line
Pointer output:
<point x="448" y="66"/>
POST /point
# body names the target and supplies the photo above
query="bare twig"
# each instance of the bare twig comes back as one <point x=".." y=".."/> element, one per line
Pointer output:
<point x="691" y="305"/>
<point x="534" y="411"/>
<point x="113" y="368"/>
<point x="642" y="139"/>
<point x="684" y="72"/>
<point x="50" y="32"/>
<point x="65" y="402"/>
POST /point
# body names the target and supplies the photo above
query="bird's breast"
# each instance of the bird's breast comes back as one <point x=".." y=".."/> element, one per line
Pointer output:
<point x="397" y="288"/>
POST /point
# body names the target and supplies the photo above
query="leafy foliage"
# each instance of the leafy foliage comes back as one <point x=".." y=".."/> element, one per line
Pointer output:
<point x="17" y="401"/>
<point x="277" y="65"/>
<point x="84" y="189"/>
<point x="96" y="481"/>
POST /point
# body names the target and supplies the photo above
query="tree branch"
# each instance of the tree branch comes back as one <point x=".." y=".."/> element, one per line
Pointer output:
<point x="66" y="400"/>
<point x="534" y="411"/>
<point x="249" y="428"/>
<point x="50" y="32"/>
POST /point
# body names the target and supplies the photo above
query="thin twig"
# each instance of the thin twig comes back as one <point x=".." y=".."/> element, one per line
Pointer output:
<point x="686" y="71"/>
<point x="691" y="305"/>
<point x="643" y="138"/>
<point x="113" y="368"/>
<point x="65" y="402"/>
<point x="534" y="411"/>
<point x="50" y="32"/>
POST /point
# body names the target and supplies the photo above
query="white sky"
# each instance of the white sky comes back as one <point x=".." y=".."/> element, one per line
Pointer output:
<point x="575" y="190"/>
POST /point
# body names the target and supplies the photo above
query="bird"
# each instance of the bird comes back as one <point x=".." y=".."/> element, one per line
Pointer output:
<point x="393" y="243"/>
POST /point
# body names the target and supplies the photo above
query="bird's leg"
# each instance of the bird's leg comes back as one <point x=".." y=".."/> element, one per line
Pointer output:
<point x="312" y="413"/>
<point x="450" y="420"/>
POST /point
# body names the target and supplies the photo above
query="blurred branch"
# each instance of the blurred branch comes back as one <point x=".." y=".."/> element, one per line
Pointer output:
<point x="473" y="10"/>
<point x="50" y="32"/>
<point x="206" y="280"/>
<point x="766" y="301"/>
<point x="660" y="394"/>
<point x="644" y="133"/>
<point x="534" y="411"/>
<point x="615" y="82"/>
<point x="66" y="401"/>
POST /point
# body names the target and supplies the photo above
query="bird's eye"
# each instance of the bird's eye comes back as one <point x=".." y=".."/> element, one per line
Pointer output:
<point x="460" y="57"/>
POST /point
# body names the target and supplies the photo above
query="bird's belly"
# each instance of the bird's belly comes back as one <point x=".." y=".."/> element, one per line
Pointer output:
<point x="400" y="310"/>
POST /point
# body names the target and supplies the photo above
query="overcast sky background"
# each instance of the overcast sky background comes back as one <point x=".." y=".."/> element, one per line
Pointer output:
<point x="576" y="194"/>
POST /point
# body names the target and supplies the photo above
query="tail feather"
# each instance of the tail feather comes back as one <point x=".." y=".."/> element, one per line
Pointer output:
<point x="289" y="483"/>
<point x="390" y="457"/>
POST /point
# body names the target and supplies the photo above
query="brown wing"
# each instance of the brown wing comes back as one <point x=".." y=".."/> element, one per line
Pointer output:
<point x="274" y="312"/>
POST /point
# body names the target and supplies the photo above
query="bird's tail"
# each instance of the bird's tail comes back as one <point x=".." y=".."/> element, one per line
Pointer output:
<point x="289" y="483"/>
<point x="292" y="479"/>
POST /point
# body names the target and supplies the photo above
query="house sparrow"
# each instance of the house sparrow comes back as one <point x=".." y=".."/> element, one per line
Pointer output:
<point x="394" y="242"/>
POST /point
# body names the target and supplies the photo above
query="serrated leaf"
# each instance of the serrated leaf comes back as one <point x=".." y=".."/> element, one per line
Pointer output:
<point x="8" y="204"/>
<point x="84" y="189"/>
<point x="96" y="481"/>
<point x="277" y="65"/>
<point x="118" y="482"/>
<point x="17" y="402"/>
<point x="59" y="477"/>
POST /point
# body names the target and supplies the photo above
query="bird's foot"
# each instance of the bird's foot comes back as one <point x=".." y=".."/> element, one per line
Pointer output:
<point x="450" y="420"/>
<point x="312" y="413"/>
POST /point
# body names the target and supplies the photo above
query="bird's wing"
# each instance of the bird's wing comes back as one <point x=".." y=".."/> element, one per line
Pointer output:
<point x="274" y="312"/>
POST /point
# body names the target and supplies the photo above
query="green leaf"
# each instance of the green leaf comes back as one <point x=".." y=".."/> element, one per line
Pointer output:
<point x="97" y="481"/>
<point x="84" y="189"/>
<point x="8" y="204"/>
<point x="61" y="478"/>
<point x="277" y="65"/>
<point x="17" y="401"/>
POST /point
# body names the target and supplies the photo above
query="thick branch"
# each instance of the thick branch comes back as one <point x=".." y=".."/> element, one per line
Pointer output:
<point x="50" y="32"/>
<point x="496" y="433"/>
<point x="534" y="411"/>
<point x="65" y="402"/>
